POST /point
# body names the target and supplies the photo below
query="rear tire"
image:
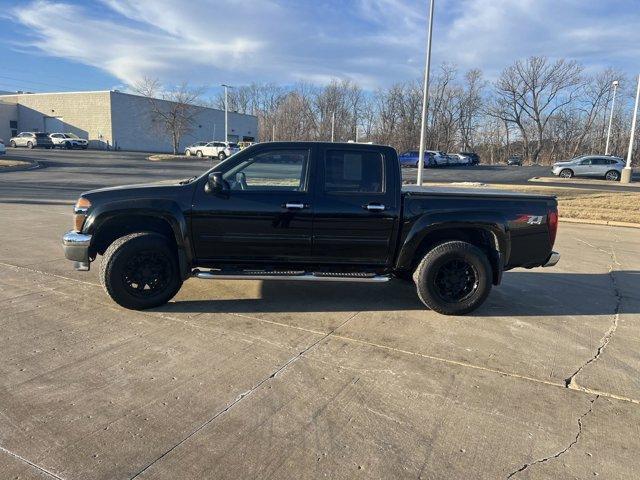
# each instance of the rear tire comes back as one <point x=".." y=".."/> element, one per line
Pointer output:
<point x="222" y="156"/>
<point x="140" y="271"/>
<point x="612" y="176"/>
<point x="566" y="173"/>
<point x="29" y="144"/>
<point x="453" y="278"/>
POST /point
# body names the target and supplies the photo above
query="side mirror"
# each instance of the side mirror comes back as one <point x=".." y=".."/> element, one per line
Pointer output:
<point x="215" y="183"/>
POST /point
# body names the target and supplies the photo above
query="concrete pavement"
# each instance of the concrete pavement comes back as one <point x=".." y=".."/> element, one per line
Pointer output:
<point x="254" y="379"/>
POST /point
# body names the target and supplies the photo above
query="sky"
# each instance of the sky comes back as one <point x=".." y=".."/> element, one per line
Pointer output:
<point x="67" y="45"/>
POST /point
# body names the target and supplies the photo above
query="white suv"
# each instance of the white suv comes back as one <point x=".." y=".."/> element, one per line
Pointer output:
<point x="68" y="140"/>
<point x="221" y="150"/>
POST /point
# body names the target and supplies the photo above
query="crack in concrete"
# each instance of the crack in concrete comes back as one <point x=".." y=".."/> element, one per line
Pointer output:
<point x="30" y="463"/>
<point x="243" y="395"/>
<point x="564" y="450"/>
<point x="571" y="382"/>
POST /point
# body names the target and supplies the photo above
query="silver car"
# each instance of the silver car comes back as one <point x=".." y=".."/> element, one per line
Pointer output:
<point x="68" y="140"/>
<point x="601" y="166"/>
<point x="31" y="140"/>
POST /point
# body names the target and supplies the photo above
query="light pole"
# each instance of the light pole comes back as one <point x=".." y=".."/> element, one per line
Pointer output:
<point x="273" y="132"/>
<point x="613" y="104"/>
<point x="626" y="171"/>
<point x="226" y="111"/>
<point x="425" y="97"/>
<point x="333" y="126"/>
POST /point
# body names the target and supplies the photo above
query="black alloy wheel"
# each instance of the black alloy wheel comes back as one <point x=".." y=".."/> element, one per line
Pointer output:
<point x="146" y="274"/>
<point x="456" y="280"/>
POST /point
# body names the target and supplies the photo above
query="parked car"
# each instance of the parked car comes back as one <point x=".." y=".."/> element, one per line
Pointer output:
<point x="3" y="149"/>
<point x="193" y="148"/>
<point x="68" y="140"/>
<point x="607" y="167"/>
<point x="461" y="159"/>
<point x="339" y="213"/>
<point x="514" y="160"/>
<point x="220" y="150"/>
<point x="31" y="140"/>
<point x="474" y="157"/>
<point x="411" y="157"/>
<point x="441" y="159"/>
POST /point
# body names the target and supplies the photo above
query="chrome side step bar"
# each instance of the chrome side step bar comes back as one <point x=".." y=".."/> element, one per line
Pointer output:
<point x="292" y="276"/>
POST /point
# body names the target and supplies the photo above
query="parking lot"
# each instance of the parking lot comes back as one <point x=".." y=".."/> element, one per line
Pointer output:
<point x="254" y="379"/>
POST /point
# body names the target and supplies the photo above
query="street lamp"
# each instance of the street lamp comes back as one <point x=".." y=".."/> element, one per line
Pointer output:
<point x="226" y="111"/>
<point x="626" y="171"/>
<point x="425" y="97"/>
<point x="333" y="126"/>
<point x="613" y="103"/>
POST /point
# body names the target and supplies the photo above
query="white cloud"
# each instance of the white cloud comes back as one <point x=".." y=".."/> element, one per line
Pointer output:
<point x="375" y="42"/>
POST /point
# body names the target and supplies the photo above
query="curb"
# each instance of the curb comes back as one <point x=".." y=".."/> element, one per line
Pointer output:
<point x="611" y="223"/>
<point x="32" y="165"/>
<point x="579" y="182"/>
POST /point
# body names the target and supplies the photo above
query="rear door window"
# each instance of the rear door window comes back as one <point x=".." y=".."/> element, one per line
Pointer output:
<point x="353" y="171"/>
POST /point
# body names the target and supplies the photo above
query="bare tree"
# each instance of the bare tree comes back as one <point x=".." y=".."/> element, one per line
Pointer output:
<point x="469" y="109"/>
<point x="173" y="110"/>
<point x="531" y="91"/>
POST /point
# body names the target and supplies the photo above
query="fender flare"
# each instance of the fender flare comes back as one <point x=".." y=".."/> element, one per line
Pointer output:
<point x="491" y="222"/>
<point x="163" y="209"/>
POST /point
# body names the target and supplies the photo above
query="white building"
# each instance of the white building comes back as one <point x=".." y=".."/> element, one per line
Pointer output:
<point x="112" y="119"/>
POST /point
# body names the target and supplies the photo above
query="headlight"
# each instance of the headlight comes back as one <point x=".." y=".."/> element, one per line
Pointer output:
<point x="80" y="213"/>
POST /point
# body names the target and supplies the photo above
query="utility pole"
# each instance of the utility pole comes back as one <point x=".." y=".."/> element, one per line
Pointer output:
<point x="333" y="126"/>
<point x="627" y="171"/>
<point x="226" y="111"/>
<point x="613" y="104"/>
<point x="425" y="97"/>
<point x="273" y="132"/>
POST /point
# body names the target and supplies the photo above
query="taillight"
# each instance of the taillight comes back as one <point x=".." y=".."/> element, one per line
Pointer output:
<point x="552" y="224"/>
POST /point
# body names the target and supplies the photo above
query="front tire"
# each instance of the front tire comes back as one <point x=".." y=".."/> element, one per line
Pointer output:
<point x="566" y="173"/>
<point x="12" y="144"/>
<point x="453" y="278"/>
<point x="187" y="153"/>
<point x="612" y="176"/>
<point x="199" y="154"/>
<point x="140" y="271"/>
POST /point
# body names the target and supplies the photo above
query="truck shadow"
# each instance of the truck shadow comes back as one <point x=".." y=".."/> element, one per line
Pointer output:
<point x="522" y="293"/>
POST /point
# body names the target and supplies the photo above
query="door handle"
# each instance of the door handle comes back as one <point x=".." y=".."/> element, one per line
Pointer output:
<point x="295" y="206"/>
<point x="374" y="207"/>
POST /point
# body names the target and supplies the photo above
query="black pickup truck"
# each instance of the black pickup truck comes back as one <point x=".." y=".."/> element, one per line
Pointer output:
<point x="309" y="211"/>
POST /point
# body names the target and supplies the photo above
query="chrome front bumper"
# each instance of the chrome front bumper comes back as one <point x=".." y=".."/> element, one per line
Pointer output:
<point x="76" y="248"/>
<point x="552" y="260"/>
